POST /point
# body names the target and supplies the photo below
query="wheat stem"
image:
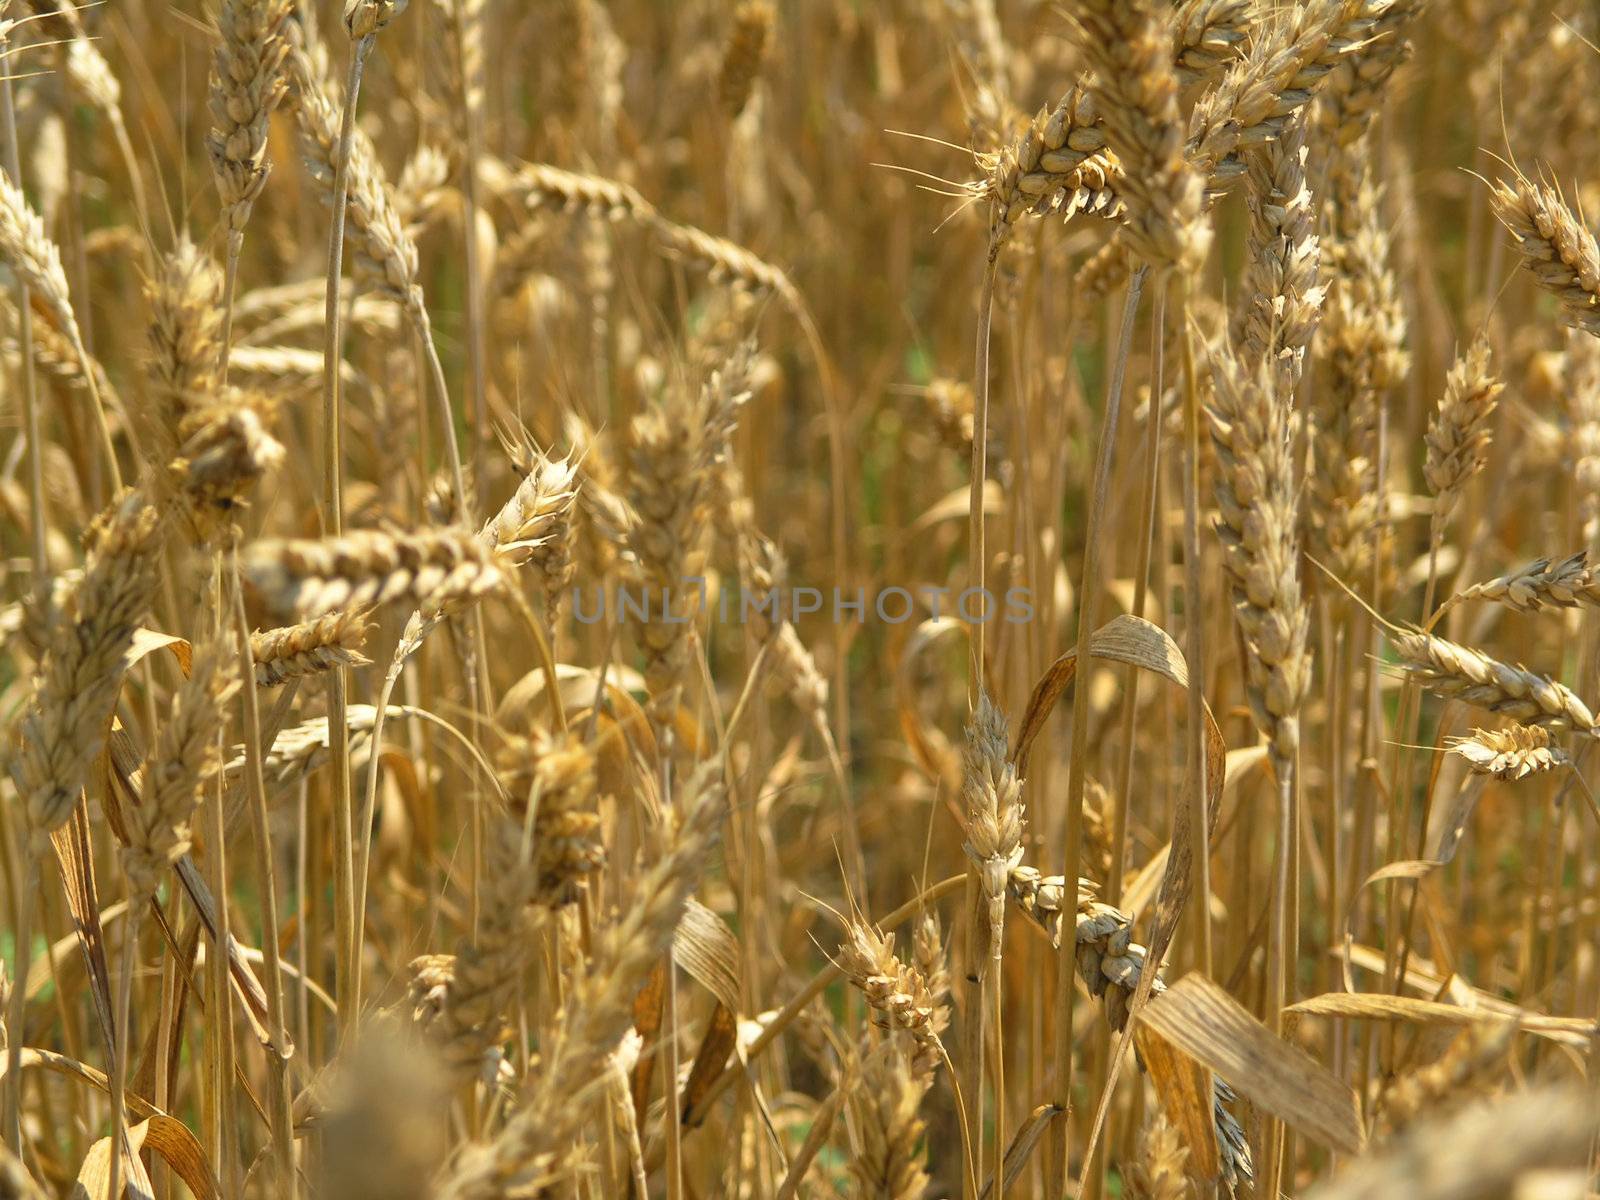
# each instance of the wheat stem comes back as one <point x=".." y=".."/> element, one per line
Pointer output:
<point x="1089" y="587"/>
<point x="30" y="385"/>
<point x="347" y="956"/>
<point x="279" y="1118"/>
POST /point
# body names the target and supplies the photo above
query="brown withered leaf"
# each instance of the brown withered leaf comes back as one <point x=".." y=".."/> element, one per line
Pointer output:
<point x="1185" y="1090"/>
<point x="1197" y="1017"/>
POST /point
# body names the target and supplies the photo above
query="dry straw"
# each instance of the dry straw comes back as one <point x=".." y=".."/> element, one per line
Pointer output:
<point x="596" y="1004"/>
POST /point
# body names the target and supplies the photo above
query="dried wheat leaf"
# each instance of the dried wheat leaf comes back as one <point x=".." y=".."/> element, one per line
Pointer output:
<point x="1138" y="643"/>
<point x="148" y="641"/>
<point x="1185" y="1090"/>
<point x="94" y="1173"/>
<point x="74" y="857"/>
<point x="648" y="1007"/>
<point x="1417" y="869"/>
<point x="705" y="947"/>
<point x="1445" y="836"/>
<point x="1022" y="1147"/>
<point x="718" y="1041"/>
<point x="958" y="504"/>
<point x="1203" y="1021"/>
<point x="166" y="1136"/>
<point x="1375" y="1006"/>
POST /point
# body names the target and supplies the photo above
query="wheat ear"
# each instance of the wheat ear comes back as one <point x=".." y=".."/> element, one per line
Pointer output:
<point x="1127" y="43"/>
<point x="36" y="260"/>
<point x="429" y="569"/>
<point x="1462" y="673"/>
<point x="1512" y="753"/>
<point x="1556" y="247"/>
<point x="309" y="648"/>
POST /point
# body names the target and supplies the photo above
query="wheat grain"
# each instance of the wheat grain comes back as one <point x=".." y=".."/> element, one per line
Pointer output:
<point x="1289" y="60"/>
<point x="887" y="1165"/>
<point x="899" y="996"/>
<point x="1556" y="247"/>
<point x="1282" y="290"/>
<point x="1512" y="753"/>
<point x="598" y="1015"/>
<point x="465" y="1004"/>
<point x="366" y="18"/>
<point x="384" y="255"/>
<point x="745" y="54"/>
<point x="428" y="569"/>
<point x="992" y="793"/>
<point x="185" y="298"/>
<point x="87" y="640"/>
<point x="1110" y="964"/>
<point x="1158" y="1172"/>
<point x="1128" y="45"/>
<point x="1258" y="498"/>
<point x="35" y="258"/>
<point x="534" y="529"/>
<point x="1458" y="433"/>
<point x="178" y="771"/>
<point x="310" y="648"/>
<point x="1569" y="583"/>
<point x="247" y="83"/>
<point x="1459" y="672"/>
<point x="555" y="778"/>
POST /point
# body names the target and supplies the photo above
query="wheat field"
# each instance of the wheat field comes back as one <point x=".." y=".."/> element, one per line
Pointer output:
<point x="547" y="547"/>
